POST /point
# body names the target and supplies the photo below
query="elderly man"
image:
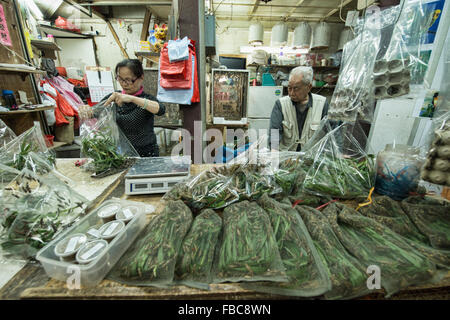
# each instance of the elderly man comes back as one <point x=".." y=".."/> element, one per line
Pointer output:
<point x="298" y="115"/>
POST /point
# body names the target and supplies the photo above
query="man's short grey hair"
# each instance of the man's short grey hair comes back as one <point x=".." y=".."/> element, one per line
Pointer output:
<point x="306" y="72"/>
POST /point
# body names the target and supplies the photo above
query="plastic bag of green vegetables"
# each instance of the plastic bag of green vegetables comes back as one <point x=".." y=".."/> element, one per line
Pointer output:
<point x="390" y="213"/>
<point x="248" y="250"/>
<point x="16" y="153"/>
<point x="105" y="144"/>
<point x="35" y="210"/>
<point x="338" y="166"/>
<point x="306" y="271"/>
<point x="432" y="218"/>
<point x="374" y="244"/>
<point x="151" y="259"/>
<point x="196" y="256"/>
<point x="207" y="190"/>
<point x="6" y="134"/>
<point x="347" y="274"/>
<point x="7" y="174"/>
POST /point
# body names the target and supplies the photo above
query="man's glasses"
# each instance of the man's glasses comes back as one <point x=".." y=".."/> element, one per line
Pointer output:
<point x="126" y="81"/>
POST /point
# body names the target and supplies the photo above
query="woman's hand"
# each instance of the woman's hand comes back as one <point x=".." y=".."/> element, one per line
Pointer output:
<point x="119" y="99"/>
<point x="85" y="112"/>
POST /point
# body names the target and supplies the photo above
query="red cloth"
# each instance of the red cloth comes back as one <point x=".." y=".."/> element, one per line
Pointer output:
<point x="196" y="94"/>
<point x="62" y="71"/>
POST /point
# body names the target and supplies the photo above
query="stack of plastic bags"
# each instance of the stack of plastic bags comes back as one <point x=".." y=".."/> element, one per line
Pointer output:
<point x="177" y="77"/>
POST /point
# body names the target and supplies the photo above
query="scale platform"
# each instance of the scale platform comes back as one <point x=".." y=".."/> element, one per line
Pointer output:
<point x="156" y="174"/>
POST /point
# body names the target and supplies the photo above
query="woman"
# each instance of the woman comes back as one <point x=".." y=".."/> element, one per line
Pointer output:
<point x="135" y="109"/>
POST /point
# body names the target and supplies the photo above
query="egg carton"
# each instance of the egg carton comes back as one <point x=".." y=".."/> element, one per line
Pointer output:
<point x="391" y="79"/>
<point x="349" y="104"/>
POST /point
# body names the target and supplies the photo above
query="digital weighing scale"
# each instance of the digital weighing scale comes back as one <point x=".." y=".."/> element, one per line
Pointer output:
<point x="156" y="174"/>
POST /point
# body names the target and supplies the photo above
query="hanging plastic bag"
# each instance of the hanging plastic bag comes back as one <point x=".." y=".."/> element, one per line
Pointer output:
<point x="248" y="250"/>
<point x="105" y="144"/>
<point x="178" y="49"/>
<point x="15" y="153"/>
<point x="352" y="97"/>
<point x="348" y="276"/>
<point x="196" y="255"/>
<point x="306" y="271"/>
<point x="6" y="134"/>
<point x="151" y="259"/>
<point x="176" y="75"/>
<point x="35" y="210"/>
<point x="338" y="165"/>
<point x="374" y="244"/>
<point x="401" y="62"/>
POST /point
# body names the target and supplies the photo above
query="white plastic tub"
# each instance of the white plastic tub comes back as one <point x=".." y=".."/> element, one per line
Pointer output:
<point x="90" y="274"/>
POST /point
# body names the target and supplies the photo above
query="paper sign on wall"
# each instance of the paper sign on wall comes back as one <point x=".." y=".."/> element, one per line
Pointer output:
<point x="4" y="32"/>
<point x="100" y="82"/>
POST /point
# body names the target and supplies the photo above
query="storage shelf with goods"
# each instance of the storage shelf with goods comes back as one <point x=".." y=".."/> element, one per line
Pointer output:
<point x="5" y="67"/>
<point x="62" y="33"/>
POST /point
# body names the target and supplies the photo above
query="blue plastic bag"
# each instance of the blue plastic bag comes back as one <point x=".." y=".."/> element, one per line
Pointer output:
<point x="178" y="50"/>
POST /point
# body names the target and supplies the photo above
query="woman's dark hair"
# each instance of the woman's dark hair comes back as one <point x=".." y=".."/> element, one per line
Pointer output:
<point x="133" y="64"/>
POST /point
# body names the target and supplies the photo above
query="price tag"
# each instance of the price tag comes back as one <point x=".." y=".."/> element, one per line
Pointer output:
<point x="110" y="229"/>
<point x="92" y="251"/>
<point x="72" y="244"/>
<point x="128" y="214"/>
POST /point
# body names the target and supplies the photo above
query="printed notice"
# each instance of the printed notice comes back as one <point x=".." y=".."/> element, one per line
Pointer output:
<point x="4" y="32"/>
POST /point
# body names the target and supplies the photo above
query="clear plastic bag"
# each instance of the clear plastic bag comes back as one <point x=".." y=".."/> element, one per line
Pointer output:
<point x="437" y="165"/>
<point x="104" y="143"/>
<point x="432" y="218"/>
<point x="352" y="97"/>
<point x="338" y="166"/>
<point x="399" y="61"/>
<point x="374" y="244"/>
<point x="248" y="250"/>
<point x="6" y="134"/>
<point x="16" y="153"/>
<point x="196" y="256"/>
<point x="306" y="271"/>
<point x="390" y="213"/>
<point x="151" y="259"/>
<point x="35" y="210"/>
<point x="347" y="274"/>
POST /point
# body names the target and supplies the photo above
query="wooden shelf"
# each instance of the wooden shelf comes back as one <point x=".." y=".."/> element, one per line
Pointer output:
<point x="152" y="56"/>
<point x="62" y="33"/>
<point x="45" y="45"/>
<point x="17" y="69"/>
<point x="13" y="112"/>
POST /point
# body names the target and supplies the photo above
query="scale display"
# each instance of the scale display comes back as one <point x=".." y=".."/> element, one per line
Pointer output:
<point x="160" y="167"/>
<point x="156" y="175"/>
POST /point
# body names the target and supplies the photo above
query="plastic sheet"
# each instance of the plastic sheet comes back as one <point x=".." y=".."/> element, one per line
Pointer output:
<point x="347" y="274"/>
<point x="105" y="144"/>
<point x="248" y="250"/>
<point x="306" y="271"/>
<point x="338" y="166"/>
<point x="196" y="255"/>
<point x="151" y="259"/>
<point x="6" y="134"/>
<point x="374" y="244"/>
<point x="35" y="210"/>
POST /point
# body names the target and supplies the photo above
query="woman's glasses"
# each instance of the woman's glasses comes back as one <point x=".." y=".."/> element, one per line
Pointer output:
<point x="126" y="81"/>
